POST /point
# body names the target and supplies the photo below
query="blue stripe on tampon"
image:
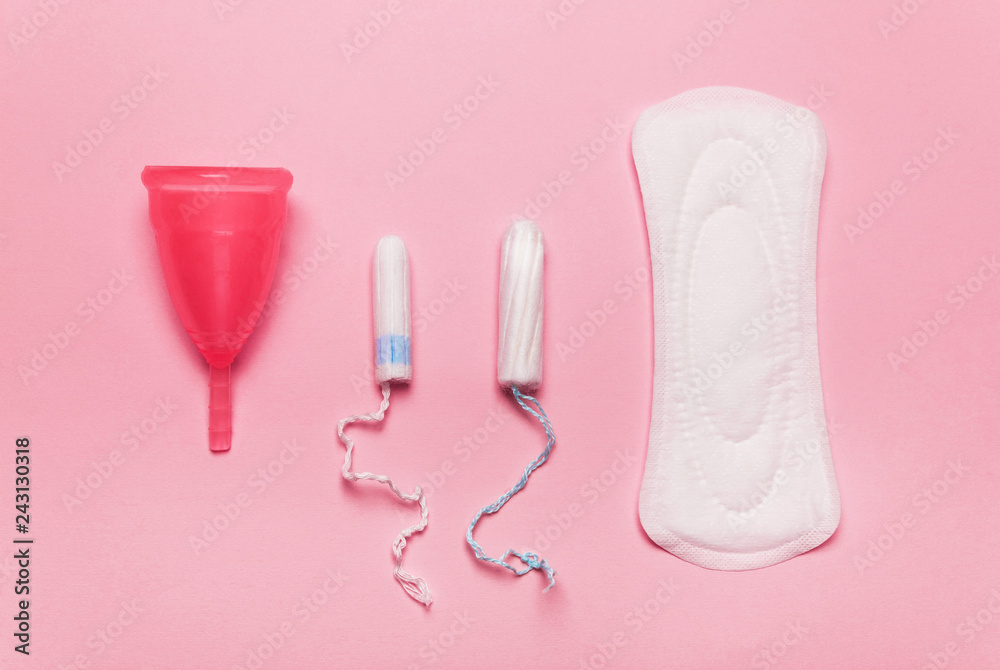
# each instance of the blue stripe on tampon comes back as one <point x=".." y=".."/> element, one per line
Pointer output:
<point x="392" y="349"/>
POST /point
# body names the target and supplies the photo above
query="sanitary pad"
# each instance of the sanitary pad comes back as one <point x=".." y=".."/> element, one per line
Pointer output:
<point x="738" y="473"/>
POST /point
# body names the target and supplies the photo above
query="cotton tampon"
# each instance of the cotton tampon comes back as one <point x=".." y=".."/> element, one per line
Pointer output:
<point x="391" y="298"/>
<point x="519" y="363"/>
<point x="391" y="310"/>
<point x="519" y="347"/>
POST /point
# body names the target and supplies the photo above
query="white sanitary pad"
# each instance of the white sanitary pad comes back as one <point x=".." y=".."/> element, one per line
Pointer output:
<point x="738" y="473"/>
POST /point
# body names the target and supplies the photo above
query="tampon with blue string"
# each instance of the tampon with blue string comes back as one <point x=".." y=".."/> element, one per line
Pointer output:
<point x="519" y="364"/>
<point x="391" y="302"/>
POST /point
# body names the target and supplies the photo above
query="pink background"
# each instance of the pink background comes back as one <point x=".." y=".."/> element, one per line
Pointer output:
<point x="223" y="75"/>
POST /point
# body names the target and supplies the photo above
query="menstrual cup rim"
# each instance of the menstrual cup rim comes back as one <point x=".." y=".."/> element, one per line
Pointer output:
<point x="183" y="177"/>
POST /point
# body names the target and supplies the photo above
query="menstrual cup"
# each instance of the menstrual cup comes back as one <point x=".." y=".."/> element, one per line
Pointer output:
<point x="218" y="231"/>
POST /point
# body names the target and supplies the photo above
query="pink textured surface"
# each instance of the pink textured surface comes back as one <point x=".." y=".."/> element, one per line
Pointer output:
<point x="277" y="72"/>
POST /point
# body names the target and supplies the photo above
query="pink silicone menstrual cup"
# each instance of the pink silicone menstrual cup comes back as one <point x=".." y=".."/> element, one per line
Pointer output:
<point x="218" y="231"/>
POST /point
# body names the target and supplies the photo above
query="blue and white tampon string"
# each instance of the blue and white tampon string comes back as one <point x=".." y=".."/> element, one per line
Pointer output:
<point x="519" y="364"/>
<point x="391" y="298"/>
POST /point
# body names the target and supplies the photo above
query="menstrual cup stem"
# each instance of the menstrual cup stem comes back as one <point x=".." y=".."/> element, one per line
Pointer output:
<point x="220" y="409"/>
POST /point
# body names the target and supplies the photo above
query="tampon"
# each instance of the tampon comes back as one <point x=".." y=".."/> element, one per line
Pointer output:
<point x="519" y="349"/>
<point x="519" y="366"/>
<point x="391" y="297"/>
<point x="391" y="314"/>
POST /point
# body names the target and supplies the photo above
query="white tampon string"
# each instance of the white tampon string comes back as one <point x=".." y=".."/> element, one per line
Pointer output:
<point x="414" y="586"/>
<point x="391" y="303"/>
<point x="519" y="348"/>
